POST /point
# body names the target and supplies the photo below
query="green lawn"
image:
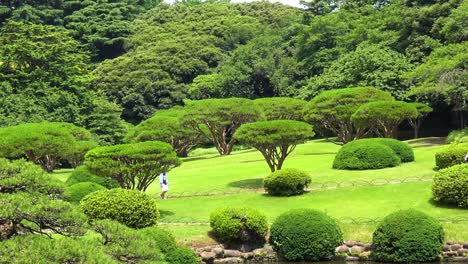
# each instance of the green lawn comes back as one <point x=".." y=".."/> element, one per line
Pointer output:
<point x="356" y="208"/>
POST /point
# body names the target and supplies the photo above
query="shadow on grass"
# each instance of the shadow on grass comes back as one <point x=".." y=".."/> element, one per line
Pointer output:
<point x="249" y="161"/>
<point x="443" y="205"/>
<point x="320" y="153"/>
<point x="247" y="184"/>
<point x="163" y="213"/>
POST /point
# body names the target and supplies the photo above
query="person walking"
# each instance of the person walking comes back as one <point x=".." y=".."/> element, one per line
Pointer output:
<point x="164" y="184"/>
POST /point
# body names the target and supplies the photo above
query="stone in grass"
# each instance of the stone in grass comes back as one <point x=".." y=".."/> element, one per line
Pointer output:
<point x="455" y="247"/>
<point x="233" y="260"/>
<point x="350" y="243"/>
<point x="367" y="247"/>
<point x="462" y="252"/>
<point x="465" y="245"/>
<point x="207" y="256"/>
<point x="219" y="252"/>
<point x="446" y="248"/>
<point x="355" y="250"/>
<point x="342" y="249"/>
<point x="231" y="253"/>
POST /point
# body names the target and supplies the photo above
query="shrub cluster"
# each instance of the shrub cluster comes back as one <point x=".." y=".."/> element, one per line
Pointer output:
<point x="239" y="224"/>
<point x="403" y="150"/>
<point x="408" y="236"/>
<point x="77" y="192"/>
<point x="129" y="207"/>
<point x="82" y="174"/>
<point x="458" y="136"/>
<point x="305" y="234"/>
<point x="450" y="185"/>
<point x="365" y="155"/>
<point x="286" y="182"/>
<point x="450" y="155"/>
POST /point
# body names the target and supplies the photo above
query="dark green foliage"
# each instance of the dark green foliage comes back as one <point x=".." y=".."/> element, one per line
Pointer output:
<point x="46" y="143"/>
<point x="182" y="256"/>
<point x="133" y="166"/>
<point x="402" y="149"/>
<point x="458" y="136"/>
<point x="77" y="192"/>
<point x="305" y="235"/>
<point x="408" y="236"/>
<point x="274" y="139"/>
<point x="423" y="111"/>
<point x="286" y="182"/>
<point x="218" y="119"/>
<point x="129" y="207"/>
<point x="166" y="241"/>
<point x="332" y="110"/>
<point x="82" y="174"/>
<point x="450" y="155"/>
<point x="239" y="225"/>
<point x="450" y="186"/>
<point x="365" y="155"/>
<point x="281" y="108"/>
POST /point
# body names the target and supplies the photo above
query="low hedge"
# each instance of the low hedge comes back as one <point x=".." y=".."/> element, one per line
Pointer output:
<point x="78" y="191"/>
<point x="129" y="207"/>
<point x="403" y="150"/>
<point x="450" y="155"/>
<point x="239" y="225"/>
<point x="408" y="236"/>
<point x="182" y="255"/>
<point x="82" y="174"/>
<point x="450" y="186"/>
<point x="305" y="234"/>
<point x="365" y="155"/>
<point x="458" y="136"/>
<point x="286" y="182"/>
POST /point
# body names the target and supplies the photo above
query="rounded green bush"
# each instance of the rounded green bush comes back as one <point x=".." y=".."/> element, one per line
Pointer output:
<point x="78" y="191"/>
<point x="365" y="155"/>
<point x="305" y="234"/>
<point x="129" y="207"/>
<point x="82" y="174"/>
<point x="286" y="182"/>
<point x="458" y="136"/>
<point x="239" y="224"/>
<point x="402" y="149"/>
<point x="165" y="240"/>
<point x="450" y="186"/>
<point x="182" y="255"/>
<point x="450" y="155"/>
<point x="408" y="236"/>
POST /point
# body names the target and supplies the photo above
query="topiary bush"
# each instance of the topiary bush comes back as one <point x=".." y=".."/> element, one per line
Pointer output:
<point x="305" y="234"/>
<point x="458" y="136"/>
<point x="450" y="155"/>
<point x="166" y="241"/>
<point x="182" y="256"/>
<point x="408" y="236"/>
<point x="286" y="182"/>
<point x="129" y="207"/>
<point x="239" y="225"/>
<point x="365" y="155"/>
<point x="450" y="186"/>
<point x="82" y="174"/>
<point x="403" y="150"/>
<point x="78" y="191"/>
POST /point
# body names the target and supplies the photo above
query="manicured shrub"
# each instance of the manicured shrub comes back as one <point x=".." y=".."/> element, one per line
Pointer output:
<point x="82" y="174"/>
<point x="402" y="149"/>
<point x="458" y="136"/>
<point x="76" y="192"/>
<point x="286" y="182"/>
<point x="239" y="224"/>
<point x="182" y="256"/>
<point x="305" y="234"/>
<point x="450" y="185"/>
<point x="365" y="155"/>
<point x="132" y="208"/>
<point x="450" y="155"/>
<point x="408" y="236"/>
<point x="166" y="241"/>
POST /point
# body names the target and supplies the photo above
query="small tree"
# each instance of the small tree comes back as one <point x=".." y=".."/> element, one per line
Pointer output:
<point x="332" y="110"/>
<point x="274" y="139"/>
<point x="218" y="119"/>
<point x="133" y="166"/>
<point x="166" y="126"/>
<point x="281" y="108"/>
<point x="46" y="143"/>
<point x="383" y="117"/>
<point x="423" y="112"/>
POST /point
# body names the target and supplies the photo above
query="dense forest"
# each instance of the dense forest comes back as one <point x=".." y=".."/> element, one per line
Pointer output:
<point x="107" y="65"/>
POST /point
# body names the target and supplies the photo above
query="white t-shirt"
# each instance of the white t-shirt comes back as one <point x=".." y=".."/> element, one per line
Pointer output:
<point x="162" y="179"/>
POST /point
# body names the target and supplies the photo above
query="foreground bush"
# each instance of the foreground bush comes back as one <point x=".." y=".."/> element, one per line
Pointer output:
<point x="408" y="236"/>
<point x="458" y="136"/>
<point x="305" y="234"/>
<point x="450" y="155"/>
<point x="450" y="186"/>
<point x="239" y="224"/>
<point x="182" y="256"/>
<point x="82" y="174"/>
<point x="365" y="155"/>
<point x="76" y="192"/>
<point x="403" y="150"/>
<point x="286" y="182"/>
<point x="131" y="208"/>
